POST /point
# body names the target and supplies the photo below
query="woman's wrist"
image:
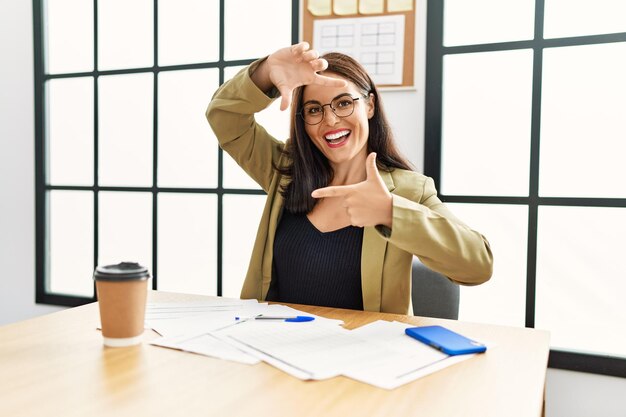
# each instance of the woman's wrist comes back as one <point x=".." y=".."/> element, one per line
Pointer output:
<point x="261" y="78"/>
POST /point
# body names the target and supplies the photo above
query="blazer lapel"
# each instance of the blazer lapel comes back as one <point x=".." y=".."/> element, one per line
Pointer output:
<point x="372" y="260"/>
<point x="268" y="255"/>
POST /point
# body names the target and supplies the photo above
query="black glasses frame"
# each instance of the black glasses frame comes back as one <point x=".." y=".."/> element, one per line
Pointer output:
<point x="301" y="114"/>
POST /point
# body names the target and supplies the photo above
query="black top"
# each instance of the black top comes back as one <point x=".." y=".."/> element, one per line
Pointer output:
<point x="315" y="268"/>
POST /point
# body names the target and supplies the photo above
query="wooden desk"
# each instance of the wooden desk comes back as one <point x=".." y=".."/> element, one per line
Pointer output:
<point x="56" y="365"/>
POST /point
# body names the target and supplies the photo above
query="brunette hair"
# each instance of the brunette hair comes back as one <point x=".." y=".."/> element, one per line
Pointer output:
<point x="308" y="169"/>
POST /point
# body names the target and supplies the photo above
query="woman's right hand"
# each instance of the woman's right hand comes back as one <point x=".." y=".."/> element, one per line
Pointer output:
<point x="291" y="67"/>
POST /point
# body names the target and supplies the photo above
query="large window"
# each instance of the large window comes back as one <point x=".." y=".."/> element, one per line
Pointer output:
<point x="525" y="137"/>
<point x="127" y="166"/>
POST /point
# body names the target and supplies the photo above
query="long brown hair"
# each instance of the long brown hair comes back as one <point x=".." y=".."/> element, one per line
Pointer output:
<point x="308" y="168"/>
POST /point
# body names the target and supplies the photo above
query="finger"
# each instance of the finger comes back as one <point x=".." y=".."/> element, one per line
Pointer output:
<point x="329" y="81"/>
<point x="333" y="191"/>
<point x="285" y="100"/>
<point x="298" y="50"/>
<point x="300" y="47"/>
<point x="311" y="55"/>
<point x="319" y="64"/>
<point x="371" y="171"/>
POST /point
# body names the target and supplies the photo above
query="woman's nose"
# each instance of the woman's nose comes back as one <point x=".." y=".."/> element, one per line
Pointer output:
<point x="330" y="118"/>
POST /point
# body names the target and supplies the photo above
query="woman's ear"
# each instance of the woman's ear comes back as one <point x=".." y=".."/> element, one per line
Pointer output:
<point x="371" y="106"/>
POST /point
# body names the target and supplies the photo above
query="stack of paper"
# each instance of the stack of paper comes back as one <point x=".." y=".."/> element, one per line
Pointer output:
<point x="379" y="353"/>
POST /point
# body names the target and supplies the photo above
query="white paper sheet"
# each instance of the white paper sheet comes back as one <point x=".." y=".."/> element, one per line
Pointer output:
<point x="173" y="319"/>
<point x="399" y="5"/>
<point x="305" y="350"/>
<point x="378" y="354"/>
<point x="208" y="345"/>
<point x="377" y="42"/>
<point x="344" y="7"/>
<point x="412" y="361"/>
<point x="319" y="7"/>
<point x="196" y="332"/>
<point x="157" y="311"/>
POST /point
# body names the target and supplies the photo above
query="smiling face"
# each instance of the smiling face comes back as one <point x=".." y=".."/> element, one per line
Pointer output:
<point x="342" y="140"/>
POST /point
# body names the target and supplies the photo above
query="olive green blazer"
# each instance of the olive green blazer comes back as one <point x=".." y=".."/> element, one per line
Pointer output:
<point x="421" y="225"/>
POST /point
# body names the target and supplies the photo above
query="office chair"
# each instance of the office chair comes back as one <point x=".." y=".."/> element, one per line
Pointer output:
<point x="432" y="294"/>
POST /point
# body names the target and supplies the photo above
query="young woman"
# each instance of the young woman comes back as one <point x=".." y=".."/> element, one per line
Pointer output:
<point x="344" y="213"/>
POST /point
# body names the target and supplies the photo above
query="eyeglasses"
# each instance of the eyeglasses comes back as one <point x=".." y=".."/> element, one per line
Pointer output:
<point x="342" y="106"/>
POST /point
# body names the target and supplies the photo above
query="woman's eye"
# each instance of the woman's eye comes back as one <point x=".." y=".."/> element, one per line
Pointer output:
<point x="344" y="103"/>
<point x="313" y="110"/>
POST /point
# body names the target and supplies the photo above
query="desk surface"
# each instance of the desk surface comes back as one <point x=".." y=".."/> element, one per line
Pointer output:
<point x="56" y="365"/>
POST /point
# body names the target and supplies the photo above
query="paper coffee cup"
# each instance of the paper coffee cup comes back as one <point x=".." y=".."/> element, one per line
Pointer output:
<point x="122" y="290"/>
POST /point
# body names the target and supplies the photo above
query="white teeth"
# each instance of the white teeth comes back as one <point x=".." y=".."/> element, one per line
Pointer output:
<point x="337" y="135"/>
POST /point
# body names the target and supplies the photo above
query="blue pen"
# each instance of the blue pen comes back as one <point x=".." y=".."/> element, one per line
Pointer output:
<point x="290" y="319"/>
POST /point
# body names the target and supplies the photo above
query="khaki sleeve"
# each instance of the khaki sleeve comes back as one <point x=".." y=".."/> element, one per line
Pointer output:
<point x="430" y="231"/>
<point x="231" y="116"/>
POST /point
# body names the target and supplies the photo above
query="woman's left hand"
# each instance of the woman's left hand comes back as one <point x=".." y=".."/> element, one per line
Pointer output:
<point x="368" y="203"/>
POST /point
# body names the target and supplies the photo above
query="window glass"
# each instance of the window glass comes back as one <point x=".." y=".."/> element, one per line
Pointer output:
<point x="187" y="243"/>
<point x="125" y="228"/>
<point x="486" y="114"/>
<point x="131" y="112"/>
<point x="257" y="32"/>
<point x="70" y="243"/>
<point x="502" y="299"/>
<point x="70" y="131"/>
<point x="69" y="38"/>
<point x="230" y="72"/>
<point x="187" y="31"/>
<point x="125" y="34"/>
<point x="487" y="21"/>
<point x="582" y="121"/>
<point x="275" y="121"/>
<point x="583" y="17"/>
<point x="125" y="107"/>
<point x="241" y="221"/>
<point x="580" y="278"/>
<point x="235" y="177"/>
<point x="187" y="146"/>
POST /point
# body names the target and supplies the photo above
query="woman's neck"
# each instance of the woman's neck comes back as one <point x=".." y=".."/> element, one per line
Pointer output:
<point x="349" y="172"/>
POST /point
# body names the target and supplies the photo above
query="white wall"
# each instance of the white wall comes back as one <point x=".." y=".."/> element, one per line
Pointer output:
<point x="17" y="165"/>
<point x="574" y="394"/>
<point x="402" y="106"/>
<point x="568" y="394"/>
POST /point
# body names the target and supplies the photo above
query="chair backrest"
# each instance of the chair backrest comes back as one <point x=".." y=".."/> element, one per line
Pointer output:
<point x="433" y="294"/>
